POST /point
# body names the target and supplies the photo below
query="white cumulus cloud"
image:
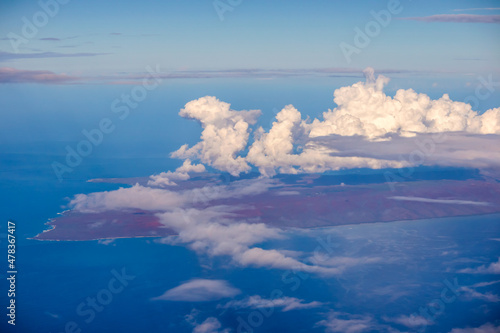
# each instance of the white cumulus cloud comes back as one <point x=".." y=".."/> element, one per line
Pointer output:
<point x="295" y="145"/>
<point x="225" y="134"/>
<point x="364" y="109"/>
<point x="181" y="173"/>
<point x="210" y="325"/>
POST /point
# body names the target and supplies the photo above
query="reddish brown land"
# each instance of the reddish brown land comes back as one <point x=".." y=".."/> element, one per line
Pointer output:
<point x="305" y="204"/>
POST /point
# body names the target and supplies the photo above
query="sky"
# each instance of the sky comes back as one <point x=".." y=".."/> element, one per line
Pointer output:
<point x="66" y="65"/>
<point x="93" y="39"/>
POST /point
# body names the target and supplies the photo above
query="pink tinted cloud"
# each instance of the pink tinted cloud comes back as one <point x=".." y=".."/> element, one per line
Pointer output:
<point x="456" y="18"/>
<point x="12" y="75"/>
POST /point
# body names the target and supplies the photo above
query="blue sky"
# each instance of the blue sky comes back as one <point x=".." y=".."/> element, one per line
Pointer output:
<point x="262" y="55"/>
<point x="109" y="38"/>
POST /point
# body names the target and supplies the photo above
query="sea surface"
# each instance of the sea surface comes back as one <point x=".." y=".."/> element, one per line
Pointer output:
<point x="409" y="266"/>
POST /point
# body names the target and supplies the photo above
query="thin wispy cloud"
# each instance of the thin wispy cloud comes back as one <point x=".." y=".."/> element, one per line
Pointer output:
<point x="484" y="284"/>
<point x="411" y="321"/>
<point x="11" y="75"/>
<point x="493" y="268"/>
<point x="53" y="39"/>
<point x="200" y="290"/>
<point x="5" y="56"/>
<point x="284" y="303"/>
<point x="441" y="201"/>
<point x="338" y="322"/>
<point x="486" y="328"/>
<point x="470" y="9"/>
<point x="135" y="78"/>
<point x="456" y="18"/>
<point x="277" y="73"/>
<point x="472" y="294"/>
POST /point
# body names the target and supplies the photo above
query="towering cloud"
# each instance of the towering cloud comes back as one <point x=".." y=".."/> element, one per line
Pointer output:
<point x="364" y="109"/>
<point x="275" y="149"/>
<point x="225" y="134"/>
<point x="295" y="145"/>
<point x="278" y="149"/>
